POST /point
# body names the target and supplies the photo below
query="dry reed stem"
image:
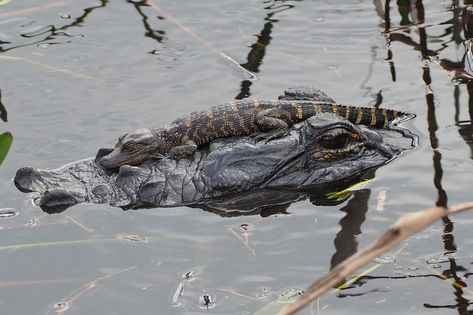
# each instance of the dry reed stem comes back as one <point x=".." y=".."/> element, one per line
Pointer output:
<point x="406" y="226"/>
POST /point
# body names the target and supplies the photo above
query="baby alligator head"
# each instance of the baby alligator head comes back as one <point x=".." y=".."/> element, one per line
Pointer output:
<point x="131" y="149"/>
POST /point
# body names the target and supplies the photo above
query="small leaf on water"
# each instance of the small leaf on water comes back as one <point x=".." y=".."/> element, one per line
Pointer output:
<point x="5" y="143"/>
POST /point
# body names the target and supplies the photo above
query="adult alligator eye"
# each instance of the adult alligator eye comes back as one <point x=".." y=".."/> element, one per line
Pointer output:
<point x="335" y="142"/>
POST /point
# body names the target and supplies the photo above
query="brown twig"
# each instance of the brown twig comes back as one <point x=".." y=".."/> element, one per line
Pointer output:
<point x="406" y="226"/>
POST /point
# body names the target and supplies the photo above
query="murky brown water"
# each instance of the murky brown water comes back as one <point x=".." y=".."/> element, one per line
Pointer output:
<point x="76" y="74"/>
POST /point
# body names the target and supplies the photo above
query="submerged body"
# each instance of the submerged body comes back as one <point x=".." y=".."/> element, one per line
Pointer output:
<point x="237" y="118"/>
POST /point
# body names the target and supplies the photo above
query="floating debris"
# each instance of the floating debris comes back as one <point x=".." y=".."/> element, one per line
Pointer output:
<point x="61" y="307"/>
<point x="443" y="258"/>
<point x="190" y="275"/>
<point x="381" y="200"/>
<point x="32" y="222"/>
<point x="289" y="295"/>
<point x="65" y="15"/>
<point x="206" y="301"/>
<point x="176" y="297"/>
<point x="8" y="213"/>
<point x="131" y="238"/>
<point x="384" y="259"/>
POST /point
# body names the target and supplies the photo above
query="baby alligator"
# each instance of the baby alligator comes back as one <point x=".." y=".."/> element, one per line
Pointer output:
<point x="236" y="118"/>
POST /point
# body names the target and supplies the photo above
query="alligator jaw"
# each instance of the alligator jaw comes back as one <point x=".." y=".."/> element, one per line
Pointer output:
<point x="115" y="158"/>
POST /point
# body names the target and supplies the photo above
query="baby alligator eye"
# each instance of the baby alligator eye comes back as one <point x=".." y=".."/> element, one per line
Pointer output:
<point x="334" y="142"/>
<point x="130" y="147"/>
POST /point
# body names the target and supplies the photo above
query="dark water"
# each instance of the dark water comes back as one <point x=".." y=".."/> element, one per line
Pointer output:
<point x="76" y="74"/>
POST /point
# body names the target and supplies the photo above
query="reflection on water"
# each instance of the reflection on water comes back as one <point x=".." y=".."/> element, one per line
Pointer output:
<point x="157" y="35"/>
<point x="3" y="110"/>
<point x="405" y="25"/>
<point x="345" y="241"/>
<point x="51" y="34"/>
<point x="413" y="14"/>
<point x="258" y="49"/>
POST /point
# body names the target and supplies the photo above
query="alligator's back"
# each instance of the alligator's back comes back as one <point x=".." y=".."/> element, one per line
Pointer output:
<point x="245" y="117"/>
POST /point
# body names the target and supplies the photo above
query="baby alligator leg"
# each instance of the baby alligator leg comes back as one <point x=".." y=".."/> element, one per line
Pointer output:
<point x="183" y="150"/>
<point x="274" y="123"/>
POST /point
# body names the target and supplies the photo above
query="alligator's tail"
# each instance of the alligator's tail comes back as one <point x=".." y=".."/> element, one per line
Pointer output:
<point x="370" y="116"/>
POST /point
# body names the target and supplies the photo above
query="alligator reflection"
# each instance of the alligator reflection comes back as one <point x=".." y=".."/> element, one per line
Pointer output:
<point x="258" y="49"/>
<point x="277" y="201"/>
<point x="52" y="33"/>
<point x="462" y="20"/>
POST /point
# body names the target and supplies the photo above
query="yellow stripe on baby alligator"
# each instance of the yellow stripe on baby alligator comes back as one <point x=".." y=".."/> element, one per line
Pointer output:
<point x="395" y="113"/>
<point x="299" y="113"/>
<point x="347" y="112"/>
<point x="360" y="115"/>
<point x="234" y="106"/>
<point x="335" y="109"/>
<point x="255" y="102"/>
<point x="385" y="116"/>
<point x="373" y="116"/>
<point x="316" y="107"/>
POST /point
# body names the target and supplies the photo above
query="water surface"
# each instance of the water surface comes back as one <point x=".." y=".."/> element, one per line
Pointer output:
<point x="77" y="74"/>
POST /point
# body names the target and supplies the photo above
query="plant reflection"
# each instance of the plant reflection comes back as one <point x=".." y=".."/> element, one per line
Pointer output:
<point x="157" y="35"/>
<point x="52" y="33"/>
<point x="258" y="49"/>
<point x="3" y="110"/>
<point x="413" y="13"/>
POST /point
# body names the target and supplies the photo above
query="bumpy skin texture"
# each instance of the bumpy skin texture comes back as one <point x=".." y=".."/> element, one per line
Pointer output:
<point x="237" y="118"/>
<point x="232" y="173"/>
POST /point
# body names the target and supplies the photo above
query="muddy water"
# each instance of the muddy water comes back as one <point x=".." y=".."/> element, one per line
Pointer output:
<point x="76" y="74"/>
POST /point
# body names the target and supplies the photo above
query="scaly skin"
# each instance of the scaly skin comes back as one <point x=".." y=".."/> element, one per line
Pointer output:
<point x="237" y="118"/>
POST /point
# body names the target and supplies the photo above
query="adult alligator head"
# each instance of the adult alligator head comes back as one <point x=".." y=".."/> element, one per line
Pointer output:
<point x="230" y="174"/>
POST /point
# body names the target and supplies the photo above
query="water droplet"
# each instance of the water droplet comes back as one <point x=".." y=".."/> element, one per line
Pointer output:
<point x="435" y="266"/>
<point x="44" y="45"/>
<point x="412" y="268"/>
<point x="65" y="15"/>
<point x="438" y="260"/>
<point x="319" y="19"/>
<point x="8" y="213"/>
<point x="384" y="259"/>
<point x="206" y="301"/>
<point x="331" y="67"/>
<point x="32" y="222"/>
<point x="289" y="295"/>
<point x="131" y="238"/>
<point x="60" y="307"/>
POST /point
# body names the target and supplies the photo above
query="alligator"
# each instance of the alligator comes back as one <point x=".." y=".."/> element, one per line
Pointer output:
<point x="237" y="118"/>
<point x="234" y="175"/>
